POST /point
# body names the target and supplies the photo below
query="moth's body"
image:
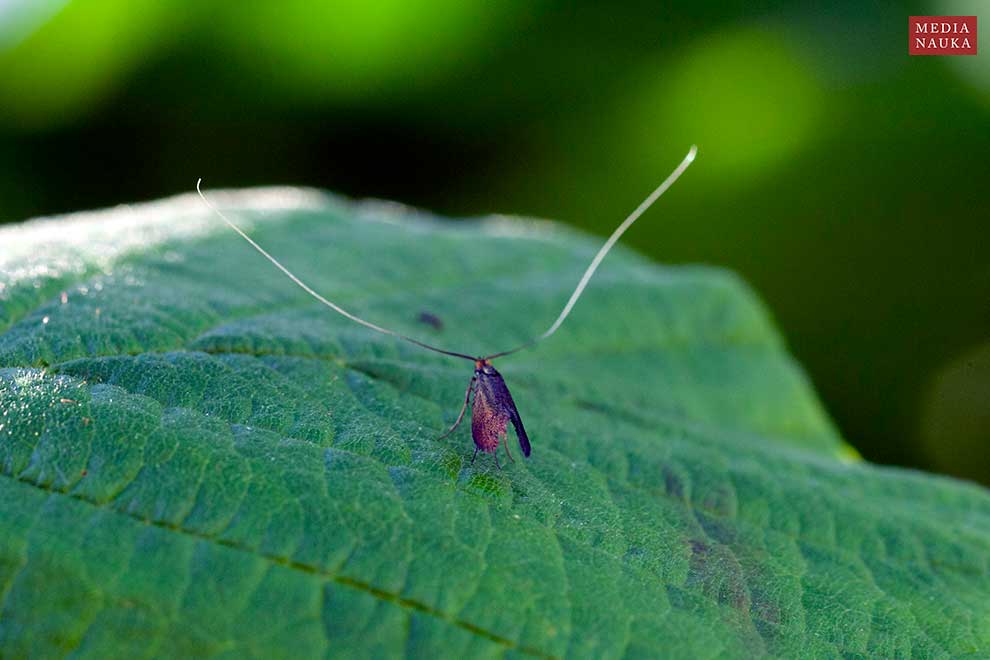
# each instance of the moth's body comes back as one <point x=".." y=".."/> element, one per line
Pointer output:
<point x="492" y="407"/>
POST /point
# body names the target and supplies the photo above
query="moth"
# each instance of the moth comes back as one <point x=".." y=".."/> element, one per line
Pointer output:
<point x="492" y="406"/>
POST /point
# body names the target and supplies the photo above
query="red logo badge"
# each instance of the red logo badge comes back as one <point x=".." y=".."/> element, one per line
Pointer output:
<point x="942" y="35"/>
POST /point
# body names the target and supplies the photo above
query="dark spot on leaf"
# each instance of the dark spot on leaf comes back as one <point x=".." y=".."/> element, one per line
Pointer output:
<point x="431" y="320"/>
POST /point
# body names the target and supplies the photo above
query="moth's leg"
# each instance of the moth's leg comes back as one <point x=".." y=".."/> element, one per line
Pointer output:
<point x="495" y="454"/>
<point x="507" y="453"/>
<point x="475" y="456"/>
<point x="467" y="398"/>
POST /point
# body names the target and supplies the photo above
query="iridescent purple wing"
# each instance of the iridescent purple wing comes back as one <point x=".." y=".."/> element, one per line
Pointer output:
<point x="520" y="431"/>
<point x="495" y="396"/>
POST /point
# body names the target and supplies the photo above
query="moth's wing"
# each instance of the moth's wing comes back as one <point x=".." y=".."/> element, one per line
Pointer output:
<point x="487" y="419"/>
<point x="508" y="407"/>
<point x="520" y="431"/>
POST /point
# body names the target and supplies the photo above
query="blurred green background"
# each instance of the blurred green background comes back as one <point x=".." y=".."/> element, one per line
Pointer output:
<point x="847" y="181"/>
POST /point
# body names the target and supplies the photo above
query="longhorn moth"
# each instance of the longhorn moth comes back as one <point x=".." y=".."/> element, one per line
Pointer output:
<point x="492" y="407"/>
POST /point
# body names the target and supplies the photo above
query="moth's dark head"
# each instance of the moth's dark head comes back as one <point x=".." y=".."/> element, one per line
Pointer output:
<point x="484" y="367"/>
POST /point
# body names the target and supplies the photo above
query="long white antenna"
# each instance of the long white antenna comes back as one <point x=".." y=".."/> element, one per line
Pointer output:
<point x="621" y="229"/>
<point x="337" y="308"/>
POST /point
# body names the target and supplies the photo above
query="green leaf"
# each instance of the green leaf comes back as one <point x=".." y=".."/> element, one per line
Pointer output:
<point x="197" y="459"/>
